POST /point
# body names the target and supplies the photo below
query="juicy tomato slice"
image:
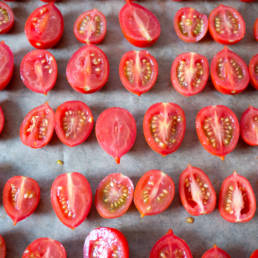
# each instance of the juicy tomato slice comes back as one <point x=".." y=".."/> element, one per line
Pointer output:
<point x="20" y="197"/>
<point x="88" y="69"/>
<point x="2" y="247"/>
<point x="197" y="194"/>
<point x="170" y="246"/>
<point x="237" y="201"/>
<point x="218" y="129"/>
<point x="253" y="71"/>
<point x="116" y="131"/>
<point x="189" y="73"/>
<point x="105" y="242"/>
<point x="44" y="27"/>
<point x="215" y="252"/>
<point x="2" y="120"/>
<point x="254" y="254"/>
<point x="37" y="127"/>
<point x="45" y="247"/>
<point x="138" y="71"/>
<point x="73" y="122"/>
<point x="6" y="18"/>
<point x="139" y="25"/>
<point x="226" y="25"/>
<point x="90" y="27"/>
<point x="38" y="71"/>
<point x="256" y="29"/>
<point x="71" y="198"/>
<point x="114" y="195"/>
<point x="154" y="193"/>
<point x="164" y="127"/>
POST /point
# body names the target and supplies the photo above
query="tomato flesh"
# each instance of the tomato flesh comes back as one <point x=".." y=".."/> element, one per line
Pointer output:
<point x="254" y="254"/>
<point x="253" y="71"/>
<point x="2" y="247"/>
<point x="256" y="29"/>
<point x="6" y="18"/>
<point x="2" y="120"/>
<point x="215" y="252"/>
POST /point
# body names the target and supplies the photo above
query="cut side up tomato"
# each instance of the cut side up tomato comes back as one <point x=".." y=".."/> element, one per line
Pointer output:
<point x="6" y="18"/>
<point x="2" y="120"/>
<point x="215" y="252"/>
<point x="254" y="254"/>
<point x="253" y="71"/>
<point x="2" y="247"/>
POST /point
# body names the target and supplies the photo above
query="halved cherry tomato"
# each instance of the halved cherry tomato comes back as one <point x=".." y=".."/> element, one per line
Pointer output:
<point x="6" y="18"/>
<point x="114" y="196"/>
<point x="6" y="65"/>
<point x="256" y="29"/>
<point x="253" y="71"/>
<point x="229" y="72"/>
<point x="254" y="254"/>
<point x="215" y="252"/>
<point x="197" y="193"/>
<point x="71" y="198"/>
<point x="170" y="246"/>
<point x="190" y="25"/>
<point x="90" y="27"/>
<point x="88" y="69"/>
<point x="139" y="25"/>
<point x="45" y="247"/>
<point x="2" y="247"/>
<point x="116" y="131"/>
<point x="218" y="129"/>
<point x="73" y="122"/>
<point x="37" y="127"/>
<point x="164" y="127"/>
<point x="105" y="242"/>
<point x="237" y="201"/>
<point x="20" y="197"/>
<point x="138" y="71"/>
<point x="249" y="126"/>
<point x="2" y="120"/>
<point x="189" y="73"/>
<point x="38" y="71"/>
<point x="44" y="27"/>
<point x="226" y="25"/>
<point x="154" y="193"/>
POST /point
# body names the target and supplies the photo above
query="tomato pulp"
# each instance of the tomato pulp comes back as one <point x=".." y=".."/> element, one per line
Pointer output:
<point x="215" y="252"/>
<point x="2" y="120"/>
<point x="6" y="18"/>
<point x="253" y="71"/>
<point x="2" y="247"/>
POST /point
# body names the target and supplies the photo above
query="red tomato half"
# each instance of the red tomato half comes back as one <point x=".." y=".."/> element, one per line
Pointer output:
<point x="256" y="29"/>
<point x="138" y="71"/>
<point x="90" y="27"/>
<point x="215" y="252"/>
<point x="114" y="195"/>
<point x="237" y="201"/>
<point x="189" y="73"/>
<point x="88" y="69"/>
<point x="44" y="27"/>
<point x="7" y="65"/>
<point x="254" y="254"/>
<point x="38" y="71"/>
<point x="2" y="120"/>
<point x="105" y="242"/>
<point x="116" y="131"/>
<point x="20" y="197"/>
<point x="253" y="71"/>
<point x="170" y="246"/>
<point x="2" y="247"/>
<point x="197" y="194"/>
<point x="139" y="25"/>
<point x="164" y="127"/>
<point x="6" y="18"/>
<point x="45" y="247"/>
<point x="37" y="127"/>
<point x="73" y="122"/>
<point x="154" y="193"/>
<point x="71" y="198"/>
<point x="229" y="72"/>
<point x="226" y="25"/>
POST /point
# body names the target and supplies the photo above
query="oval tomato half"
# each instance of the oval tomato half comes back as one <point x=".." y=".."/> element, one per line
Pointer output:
<point x="215" y="252"/>
<point x="105" y="242"/>
<point x="254" y="254"/>
<point x="154" y="193"/>
<point x="139" y="25"/>
<point x="20" y="197"/>
<point x="6" y="18"/>
<point x="2" y="120"/>
<point x="256" y="29"/>
<point x="237" y="201"/>
<point x="114" y="195"/>
<point x="71" y="198"/>
<point x="226" y="25"/>
<point x="45" y="247"/>
<point x="73" y="122"/>
<point x="253" y="71"/>
<point x="189" y="73"/>
<point x="2" y="247"/>
<point x="45" y="26"/>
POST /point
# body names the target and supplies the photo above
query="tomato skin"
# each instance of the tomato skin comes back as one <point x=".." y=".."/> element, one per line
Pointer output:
<point x="2" y="120"/>
<point x="2" y="247"/>
<point x="254" y="254"/>
<point x="253" y="67"/>
<point x="256" y="29"/>
<point x="6" y="27"/>
<point x="215" y="252"/>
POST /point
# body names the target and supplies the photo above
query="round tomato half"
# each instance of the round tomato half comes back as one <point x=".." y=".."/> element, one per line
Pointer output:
<point x="88" y="69"/>
<point x="6" y="18"/>
<point x="154" y="193"/>
<point x="254" y="254"/>
<point x="139" y="25"/>
<point x="114" y="196"/>
<point x="2" y="247"/>
<point x="73" y="122"/>
<point x="237" y="201"/>
<point x="45" y="26"/>
<point x="2" y="120"/>
<point x="71" y="198"/>
<point x="189" y="73"/>
<point x="164" y="127"/>
<point x="116" y="131"/>
<point x="37" y="127"/>
<point x="45" y="247"/>
<point x="105" y="242"/>
<point x="20" y="197"/>
<point x="253" y="71"/>
<point x="256" y="29"/>
<point x="138" y="71"/>
<point x="215" y="252"/>
<point x="226" y="25"/>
